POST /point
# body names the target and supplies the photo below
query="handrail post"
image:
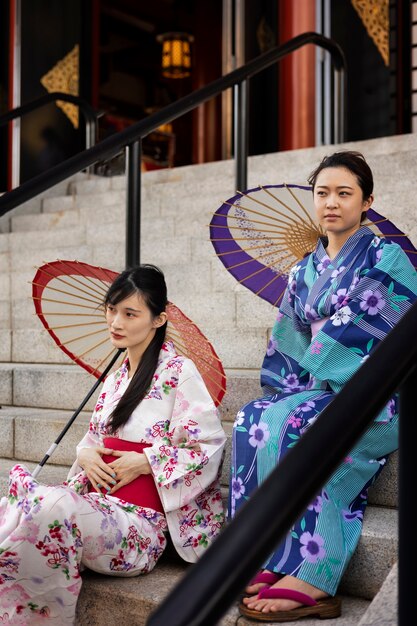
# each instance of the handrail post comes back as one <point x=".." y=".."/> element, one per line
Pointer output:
<point x="407" y="541"/>
<point x="241" y="121"/>
<point x="133" y="173"/>
<point x="339" y="97"/>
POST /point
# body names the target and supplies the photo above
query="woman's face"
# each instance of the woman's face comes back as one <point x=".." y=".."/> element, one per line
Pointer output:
<point x="339" y="202"/>
<point x="131" y="323"/>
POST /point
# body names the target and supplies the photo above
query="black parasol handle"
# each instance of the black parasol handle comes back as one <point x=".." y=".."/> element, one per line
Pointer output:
<point x="68" y="425"/>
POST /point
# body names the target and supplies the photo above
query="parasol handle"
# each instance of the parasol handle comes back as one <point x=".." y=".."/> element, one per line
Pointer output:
<point x="68" y="425"/>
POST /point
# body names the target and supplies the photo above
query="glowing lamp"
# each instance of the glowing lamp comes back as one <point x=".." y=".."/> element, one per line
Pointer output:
<point x="176" y="54"/>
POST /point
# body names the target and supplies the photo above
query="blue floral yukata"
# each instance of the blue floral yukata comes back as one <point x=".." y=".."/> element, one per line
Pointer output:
<point x="333" y="314"/>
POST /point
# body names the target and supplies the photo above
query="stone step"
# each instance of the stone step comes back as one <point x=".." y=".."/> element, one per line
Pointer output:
<point x="142" y="595"/>
<point x="59" y="219"/>
<point x="34" y="205"/>
<point x="27" y="433"/>
<point x="64" y="386"/>
<point x="61" y="203"/>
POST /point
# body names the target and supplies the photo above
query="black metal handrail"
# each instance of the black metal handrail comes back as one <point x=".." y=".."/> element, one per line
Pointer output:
<point x="90" y="115"/>
<point x="131" y="138"/>
<point x="213" y="583"/>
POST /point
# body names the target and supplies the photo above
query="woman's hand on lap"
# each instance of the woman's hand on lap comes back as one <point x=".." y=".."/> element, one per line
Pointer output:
<point x="127" y="467"/>
<point x="99" y="473"/>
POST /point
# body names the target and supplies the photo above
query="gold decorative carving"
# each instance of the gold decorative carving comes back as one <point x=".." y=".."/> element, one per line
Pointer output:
<point x="64" y="77"/>
<point x="375" y="17"/>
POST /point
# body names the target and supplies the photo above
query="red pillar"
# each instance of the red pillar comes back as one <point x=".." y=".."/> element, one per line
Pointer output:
<point x="296" y="82"/>
<point x="207" y="67"/>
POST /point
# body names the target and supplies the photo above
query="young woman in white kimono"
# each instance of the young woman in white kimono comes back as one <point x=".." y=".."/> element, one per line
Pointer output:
<point x="148" y="466"/>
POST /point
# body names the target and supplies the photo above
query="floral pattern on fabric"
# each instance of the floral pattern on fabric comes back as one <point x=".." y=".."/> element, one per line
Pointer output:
<point x="48" y="534"/>
<point x="356" y="298"/>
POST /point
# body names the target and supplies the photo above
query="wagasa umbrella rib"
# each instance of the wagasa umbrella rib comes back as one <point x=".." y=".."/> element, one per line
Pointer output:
<point x="83" y="306"/>
<point x="60" y="279"/>
<point x="80" y="337"/>
<point x="65" y="326"/>
<point x="66" y="293"/>
<point x="267" y="206"/>
<point x="111" y="276"/>
<point x="249" y="210"/>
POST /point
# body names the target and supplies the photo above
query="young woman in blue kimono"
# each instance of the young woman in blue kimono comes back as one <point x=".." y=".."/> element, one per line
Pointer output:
<point x="341" y="301"/>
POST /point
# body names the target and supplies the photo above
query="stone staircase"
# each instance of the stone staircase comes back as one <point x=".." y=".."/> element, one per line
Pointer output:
<point x="83" y="219"/>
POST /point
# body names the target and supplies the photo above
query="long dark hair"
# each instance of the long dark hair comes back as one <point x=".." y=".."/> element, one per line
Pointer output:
<point x="147" y="281"/>
<point x="356" y="164"/>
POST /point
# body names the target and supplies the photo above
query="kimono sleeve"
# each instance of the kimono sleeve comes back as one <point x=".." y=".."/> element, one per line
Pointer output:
<point x="189" y="458"/>
<point x="281" y="369"/>
<point x="382" y="296"/>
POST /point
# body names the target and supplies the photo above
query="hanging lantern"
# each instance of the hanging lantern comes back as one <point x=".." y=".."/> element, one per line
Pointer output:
<point x="176" y="54"/>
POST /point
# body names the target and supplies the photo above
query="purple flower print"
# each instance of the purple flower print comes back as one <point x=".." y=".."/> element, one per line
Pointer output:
<point x="310" y="313"/>
<point x="350" y="516"/>
<point x="338" y="271"/>
<point x="262" y="404"/>
<point x="291" y="381"/>
<point x="279" y="316"/>
<point x="379" y="254"/>
<point x="194" y="431"/>
<point x="238" y="488"/>
<point x="316" y="347"/>
<point x="339" y="299"/>
<point x="372" y="301"/>
<point x="259" y="435"/>
<point x="112" y="534"/>
<point x="316" y="505"/>
<point x="272" y="346"/>
<point x="312" y="549"/>
<point x="306" y="406"/>
<point x="292" y="287"/>
<point x="342" y="316"/>
<point x="323" y="265"/>
<point x="376" y="241"/>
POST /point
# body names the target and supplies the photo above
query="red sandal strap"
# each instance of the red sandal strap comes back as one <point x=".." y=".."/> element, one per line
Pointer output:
<point x="268" y="578"/>
<point x="272" y="593"/>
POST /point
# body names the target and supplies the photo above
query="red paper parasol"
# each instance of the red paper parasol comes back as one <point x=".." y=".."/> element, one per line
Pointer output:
<point x="68" y="298"/>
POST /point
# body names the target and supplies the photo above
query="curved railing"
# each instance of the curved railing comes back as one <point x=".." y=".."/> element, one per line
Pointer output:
<point x="131" y="138"/>
<point x="90" y="115"/>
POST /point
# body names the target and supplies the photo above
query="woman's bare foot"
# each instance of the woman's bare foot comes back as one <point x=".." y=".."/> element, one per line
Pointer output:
<point x="287" y="582"/>
<point x="253" y="590"/>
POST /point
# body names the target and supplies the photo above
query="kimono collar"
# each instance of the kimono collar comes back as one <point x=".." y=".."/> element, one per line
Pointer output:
<point x="321" y="254"/>
<point x="167" y="352"/>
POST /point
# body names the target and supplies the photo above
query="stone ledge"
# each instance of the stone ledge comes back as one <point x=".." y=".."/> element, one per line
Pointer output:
<point x="143" y="594"/>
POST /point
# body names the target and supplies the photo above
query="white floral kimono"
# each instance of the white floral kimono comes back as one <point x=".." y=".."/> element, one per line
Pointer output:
<point x="49" y="533"/>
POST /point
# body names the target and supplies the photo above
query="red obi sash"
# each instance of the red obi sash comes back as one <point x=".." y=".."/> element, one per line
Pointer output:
<point x="141" y="491"/>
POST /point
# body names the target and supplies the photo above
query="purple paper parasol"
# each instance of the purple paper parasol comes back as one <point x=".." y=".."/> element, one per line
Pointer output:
<point x="261" y="233"/>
